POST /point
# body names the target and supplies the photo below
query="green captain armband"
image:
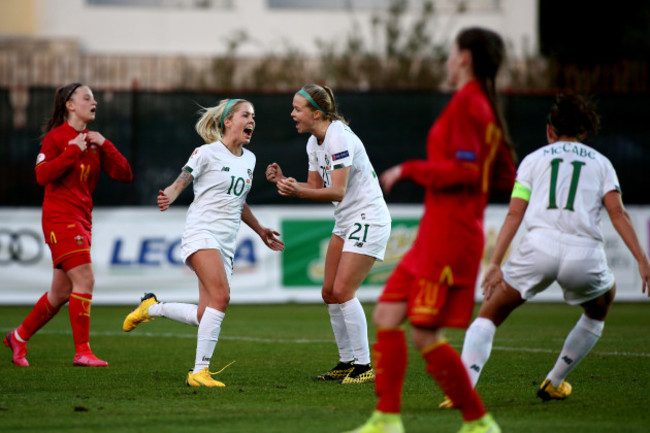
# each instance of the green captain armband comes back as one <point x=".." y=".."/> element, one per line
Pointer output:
<point x="520" y="191"/>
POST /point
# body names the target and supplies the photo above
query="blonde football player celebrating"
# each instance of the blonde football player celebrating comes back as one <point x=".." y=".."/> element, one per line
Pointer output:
<point x="222" y="175"/>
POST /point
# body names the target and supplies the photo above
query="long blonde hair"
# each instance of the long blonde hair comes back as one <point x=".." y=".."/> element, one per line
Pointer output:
<point x="211" y="125"/>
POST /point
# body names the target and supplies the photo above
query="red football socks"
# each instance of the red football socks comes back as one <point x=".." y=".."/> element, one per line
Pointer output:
<point x="390" y="358"/>
<point x="80" y="321"/>
<point x="42" y="312"/>
<point x="447" y="369"/>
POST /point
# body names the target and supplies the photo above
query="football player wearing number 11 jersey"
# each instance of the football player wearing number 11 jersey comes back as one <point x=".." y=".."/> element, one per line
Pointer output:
<point x="559" y="193"/>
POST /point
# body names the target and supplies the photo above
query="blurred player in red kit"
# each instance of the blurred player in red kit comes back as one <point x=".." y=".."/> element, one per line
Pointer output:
<point x="68" y="166"/>
<point x="468" y="155"/>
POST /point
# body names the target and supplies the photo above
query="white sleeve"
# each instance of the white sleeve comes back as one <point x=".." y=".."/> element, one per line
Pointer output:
<point x="194" y="165"/>
<point x="524" y="172"/>
<point x="610" y="182"/>
<point x="340" y="148"/>
<point x="311" y="157"/>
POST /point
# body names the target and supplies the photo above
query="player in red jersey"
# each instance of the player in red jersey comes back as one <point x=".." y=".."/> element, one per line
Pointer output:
<point x="468" y="154"/>
<point x="68" y="166"/>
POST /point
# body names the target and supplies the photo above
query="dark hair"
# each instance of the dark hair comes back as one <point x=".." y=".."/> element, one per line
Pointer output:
<point x="59" y="112"/>
<point x="488" y="53"/>
<point x="574" y="116"/>
<point x="323" y="96"/>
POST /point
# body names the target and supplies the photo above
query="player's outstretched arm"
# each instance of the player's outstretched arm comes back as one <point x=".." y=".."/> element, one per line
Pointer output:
<point x="623" y="225"/>
<point x="171" y="193"/>
<point x="268" y="236"/>
<point x="493" y="278"/>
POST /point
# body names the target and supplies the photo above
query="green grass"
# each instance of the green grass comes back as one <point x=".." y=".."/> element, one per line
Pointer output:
<point x="278" y="348"/>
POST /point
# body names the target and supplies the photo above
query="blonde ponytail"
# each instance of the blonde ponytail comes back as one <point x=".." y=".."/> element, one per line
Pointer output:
<point x="211" y="124"/>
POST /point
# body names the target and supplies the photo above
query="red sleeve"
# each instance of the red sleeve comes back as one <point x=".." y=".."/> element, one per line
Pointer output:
<point x="440" y="174"/>
<point x="51" y="163"/>
<point x="115" y="164"/>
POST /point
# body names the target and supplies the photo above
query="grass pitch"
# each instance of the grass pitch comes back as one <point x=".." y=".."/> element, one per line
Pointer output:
<point x="279" y="348"/>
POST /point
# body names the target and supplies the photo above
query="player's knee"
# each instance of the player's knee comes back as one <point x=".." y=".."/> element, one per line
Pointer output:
<point x="598" y="308"/>
<point x="222" y="300"/>
<point x="59" y="297"/>
<point x="341" y="295"/>
<point x="426" y="337"/>
<point x="379" y="321"/>
<point x="327" y="293"/>
<point x="386" y="317"/>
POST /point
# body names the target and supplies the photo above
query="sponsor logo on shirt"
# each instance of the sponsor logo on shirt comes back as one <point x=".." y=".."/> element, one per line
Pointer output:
<point x="340" y="155"/>
<point x="225" y="168"/>
<point x="465" y="155"/>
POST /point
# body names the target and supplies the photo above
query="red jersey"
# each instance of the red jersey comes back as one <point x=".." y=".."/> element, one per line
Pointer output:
<point x="70" y="176"/>
<point x="466" y="156"/>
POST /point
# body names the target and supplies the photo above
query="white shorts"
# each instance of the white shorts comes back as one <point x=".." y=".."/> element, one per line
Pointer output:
<point x="578" y="264"/>
<point x="368" y="239"/>
<point x="189" y="247"/>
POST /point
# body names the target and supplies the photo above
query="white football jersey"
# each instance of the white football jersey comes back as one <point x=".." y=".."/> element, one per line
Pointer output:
<point x="363" y="198"/>
<point x="221" y="183"/>
<point x="567" y="182"/>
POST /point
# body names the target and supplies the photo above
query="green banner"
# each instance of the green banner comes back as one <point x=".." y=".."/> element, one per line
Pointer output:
<point x="306" y="241"/>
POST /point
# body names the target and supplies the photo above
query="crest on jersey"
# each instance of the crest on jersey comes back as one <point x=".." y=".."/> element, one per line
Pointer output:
<point x="250" y="173"/>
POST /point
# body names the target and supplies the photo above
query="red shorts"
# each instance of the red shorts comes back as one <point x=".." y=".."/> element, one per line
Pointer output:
<point x="431" y="304"/>
<point x="69" y="245"/>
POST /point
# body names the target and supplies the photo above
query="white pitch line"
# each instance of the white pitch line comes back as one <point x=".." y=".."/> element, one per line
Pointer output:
<point x="308" y="341"/>
<point x="595" y="352"/>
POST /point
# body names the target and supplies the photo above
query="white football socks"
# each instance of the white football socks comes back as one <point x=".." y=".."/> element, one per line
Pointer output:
<point x="477" y="347"/>
<point x="207" y="337"/>
<point x="183" y="313"/>
<point x="577" y="345"/>
<point x="346" y="354"/>
<point x="357" y="327"/>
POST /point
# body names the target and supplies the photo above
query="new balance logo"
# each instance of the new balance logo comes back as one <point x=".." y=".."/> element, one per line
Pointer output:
<point x="567" y="359"/>
<point x="225" y="168"/>
<point x="359" y="244"/>
<point x="475" y="367"/>
<point x="205" y="359"/>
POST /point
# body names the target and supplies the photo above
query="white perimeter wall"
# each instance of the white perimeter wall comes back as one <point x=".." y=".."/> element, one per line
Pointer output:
<point x="135" y="250"/>
<point x="192" y="31"/>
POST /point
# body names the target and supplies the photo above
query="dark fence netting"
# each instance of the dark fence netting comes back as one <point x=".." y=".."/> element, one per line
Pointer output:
<point x="155" y="131"/>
